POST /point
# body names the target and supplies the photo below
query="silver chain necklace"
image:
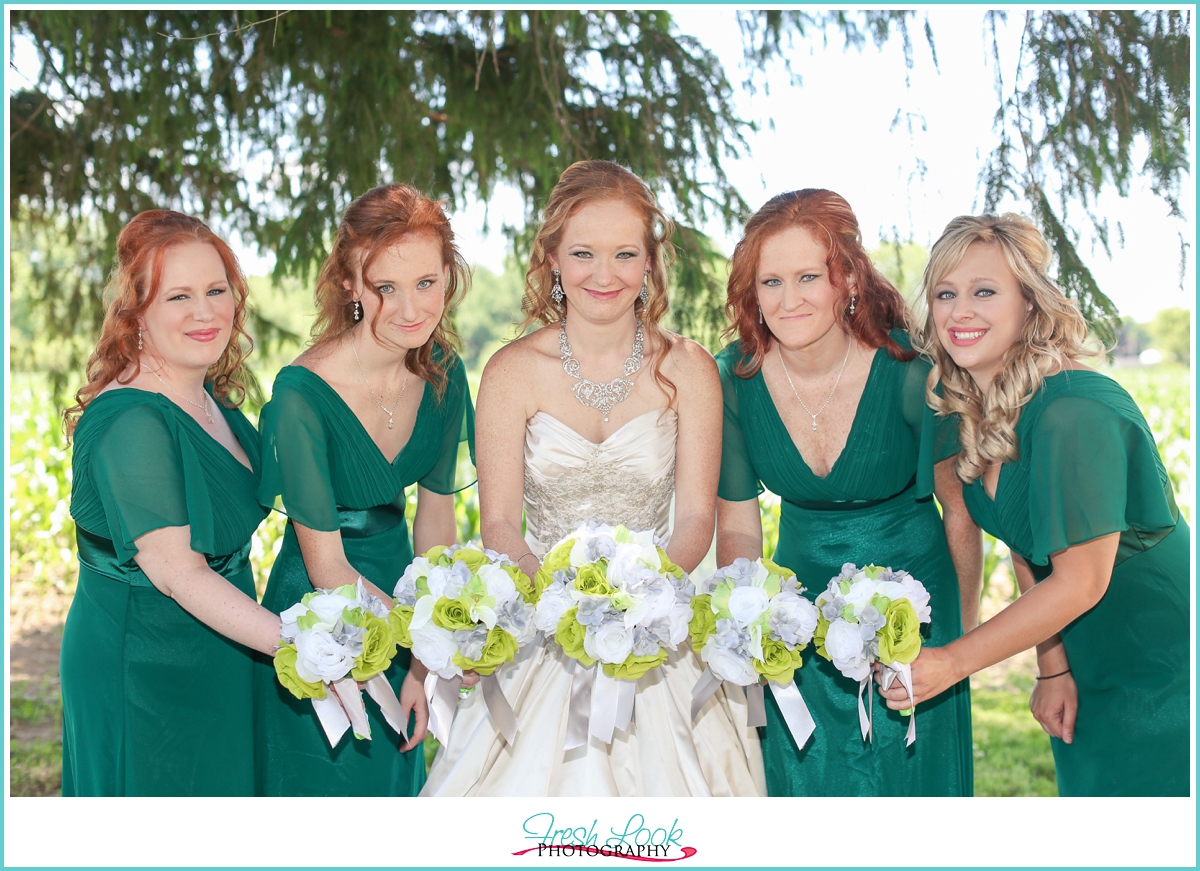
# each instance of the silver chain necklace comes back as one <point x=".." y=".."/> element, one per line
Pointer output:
<point x="203" y="407"/>
<point x="604" y="395"/>
<point x="390" y="412"/>
<point x="849" y="345"/>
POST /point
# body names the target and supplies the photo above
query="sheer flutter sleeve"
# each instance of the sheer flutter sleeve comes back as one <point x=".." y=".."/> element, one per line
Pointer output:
<point x="455" y="466"/>
<point x="1092" y="472"/>
<point x="937" y="436"/>
<point x="739" y="481"/>
<point x="296" y="476"/>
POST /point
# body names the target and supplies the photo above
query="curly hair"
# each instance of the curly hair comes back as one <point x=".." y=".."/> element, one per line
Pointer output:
<point x="596" y="181"/>
<point x="878" y="309"/>
<point x="135" y="282"/>
<point x="1054" y="329"/>
<point x="372" y="223"/>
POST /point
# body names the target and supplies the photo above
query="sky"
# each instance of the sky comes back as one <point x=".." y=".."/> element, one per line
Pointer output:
<point x="836" y="130"/>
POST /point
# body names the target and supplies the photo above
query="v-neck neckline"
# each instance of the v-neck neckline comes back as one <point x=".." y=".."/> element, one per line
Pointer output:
<point x="250" y="469"/>
<point x="849" y="435"/>
<point x="362" y="429"/>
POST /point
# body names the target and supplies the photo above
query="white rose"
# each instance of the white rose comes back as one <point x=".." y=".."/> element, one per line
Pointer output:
<point x="680" y="619"/>
<point x="554" y="602"/>
<point x="916" y="593"/>
<point x="435" y="647"/>
<point x="320" y="658"/>
<point x="746" y="604"/>
<point x="499" y="583"/>
<point x="795" y="613"/>
<point x="289" y="629"/>
<point x="860" y="593"/>
<point x="727" y="664"/>
<point x="611" y="643"/>
<point x="844" y="645"/>
<point x="328" y="606"/>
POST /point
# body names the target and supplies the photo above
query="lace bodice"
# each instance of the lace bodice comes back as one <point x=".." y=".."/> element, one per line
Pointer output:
<point x="628" y="478"/>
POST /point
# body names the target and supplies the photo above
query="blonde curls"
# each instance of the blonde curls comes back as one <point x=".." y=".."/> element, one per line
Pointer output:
<point x="596" y="181"/>
<point x="1054" y="330"/>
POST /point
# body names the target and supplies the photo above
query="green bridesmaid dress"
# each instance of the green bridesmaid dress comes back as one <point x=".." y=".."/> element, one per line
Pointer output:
<point x="155" y="702"/>
<point x="1088" y="467"/>
<point x="330" y="476"/>
<point x="872" y="507"/>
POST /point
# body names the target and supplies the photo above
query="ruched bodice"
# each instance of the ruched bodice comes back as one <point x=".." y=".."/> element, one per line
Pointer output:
<point x="627" y="478"/>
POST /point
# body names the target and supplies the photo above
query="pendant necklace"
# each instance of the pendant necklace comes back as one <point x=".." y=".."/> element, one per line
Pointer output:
<point x="849" y="345"/>
<point x="203" y="407"/>
<point x="604" y="395"/>
<point x="390" y="412"/>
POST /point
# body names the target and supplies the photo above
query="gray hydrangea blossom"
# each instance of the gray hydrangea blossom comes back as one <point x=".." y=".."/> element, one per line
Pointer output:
<point x="685" y="592"/>
<point x="831" y="609"/>
<point x="470" y="641"/>
<point x="593" y="610"/>
<point x="515" y="617"/>
<point x="870" y="621"/>
<point x="727" y="635"/>
<point x="406" y="589"/>
<point x="650" y="638"/>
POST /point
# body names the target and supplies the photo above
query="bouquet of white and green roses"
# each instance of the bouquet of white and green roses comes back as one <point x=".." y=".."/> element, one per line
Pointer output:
<point x="869" y="615"/>
<point x="749" y="625"/>
<point x="611" y="596"/>
<point x="331" y="640"/>
<point x="464" y="608"/>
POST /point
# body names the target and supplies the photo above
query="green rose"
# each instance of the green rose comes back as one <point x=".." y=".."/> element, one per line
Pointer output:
<point x="819" y="635"/>
<point x="434" y="553"/>
<point x="900" y="639"/>
<point x="559" y="558"/>
<point x="472" y="557"/>
<point x="570" y="634"/>
<point x="499" y="648"/>
<point x="591" y="581"/>
<point x="453" y="613"/>
<point x="635" y="666"/>
<point x="704" y="621"/>
<point x="379" y="647"/>
<point x="668" y="567"/>
<point x="522" y="583"/>
<point x="776" y="569"/>
<point x="398" y="620"/>
<point x="285" y="670"/>
<point x="778" y="663"/>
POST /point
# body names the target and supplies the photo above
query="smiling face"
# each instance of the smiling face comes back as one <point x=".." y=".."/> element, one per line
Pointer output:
<point x="188" y="324"/>
<point x="979" y="311"/>
<point x="409" y="284"/>
<point x="794" y="289"/>
<point x="602" y="259"/>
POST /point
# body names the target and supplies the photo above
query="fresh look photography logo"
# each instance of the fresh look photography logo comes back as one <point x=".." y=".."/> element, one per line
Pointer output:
<point x="635" y="838"/>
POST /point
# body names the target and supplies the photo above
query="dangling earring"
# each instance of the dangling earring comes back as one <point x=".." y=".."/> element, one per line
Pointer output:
<point x="556" y="292"/>
<point x="644" y="296"/>
<point x="139" y="338"/>
<point x="760" y="317"/>
<point x="852" y="300"/>
<point x="358" y="311"/>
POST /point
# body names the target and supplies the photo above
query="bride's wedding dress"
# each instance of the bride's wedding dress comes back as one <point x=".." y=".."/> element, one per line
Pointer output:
<point x="628" y="478"/>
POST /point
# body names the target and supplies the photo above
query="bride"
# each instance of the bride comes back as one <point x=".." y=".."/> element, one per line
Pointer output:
<point x="604" y="414"/>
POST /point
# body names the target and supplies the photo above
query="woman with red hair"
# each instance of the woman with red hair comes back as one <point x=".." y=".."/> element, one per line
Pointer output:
<point x="378" y="403"/>
<point x="825" y="406"/>
<point x="156" y="675"/>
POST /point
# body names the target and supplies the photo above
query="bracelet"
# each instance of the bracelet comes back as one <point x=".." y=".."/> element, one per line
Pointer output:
<point x="1047" y="677"/>
<point x="522" y="556"/>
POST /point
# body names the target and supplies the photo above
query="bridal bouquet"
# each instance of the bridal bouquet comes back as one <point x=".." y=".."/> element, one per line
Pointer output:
<point x="611" y="596"/>
<point x="463" y="608"/>
<point x="332" y="640"/>
<point x="749" y="625"/>
<point x="868" y="615"/>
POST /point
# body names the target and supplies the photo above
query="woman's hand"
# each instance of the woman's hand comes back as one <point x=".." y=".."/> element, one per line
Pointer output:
<point x="412" y="698"/>
<point x="469" y="679"/>
<point x="933" y="671"/>
<point x="1054" y="703"/>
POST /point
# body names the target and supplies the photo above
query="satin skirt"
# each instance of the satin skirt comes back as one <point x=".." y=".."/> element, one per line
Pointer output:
<point x="662" y="754"/>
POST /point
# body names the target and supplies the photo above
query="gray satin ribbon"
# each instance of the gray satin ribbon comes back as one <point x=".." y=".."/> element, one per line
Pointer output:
<point x="381" y="691"/>
<point x="756" y="707"/>
<point x="442" y="695"/>
<point x="706" y="687"/>
<point x="795" y="713"/>
<point x="580" y="710"/>
<point x="866" y="715"/>
<point x="503" y="717"/>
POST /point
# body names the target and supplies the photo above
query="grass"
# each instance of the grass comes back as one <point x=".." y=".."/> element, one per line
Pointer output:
<point x="1012" y="753"/>
<point x="35" y="750"/>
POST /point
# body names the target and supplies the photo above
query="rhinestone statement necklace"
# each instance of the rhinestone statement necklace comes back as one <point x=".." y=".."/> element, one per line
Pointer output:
<point x="604" y="395"/>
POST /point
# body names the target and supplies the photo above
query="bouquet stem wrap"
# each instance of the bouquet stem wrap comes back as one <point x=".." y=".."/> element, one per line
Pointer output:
<point x="791" y="704"/>
<point x="902" y="672"/>
<point x="600" y="705"/>
<point x="442" y="694"/>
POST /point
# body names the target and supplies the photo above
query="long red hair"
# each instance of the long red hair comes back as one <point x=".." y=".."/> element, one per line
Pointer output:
<point x="878" y="306"/>
<point x="372" y="223"/>
<point x="141" y="249"/>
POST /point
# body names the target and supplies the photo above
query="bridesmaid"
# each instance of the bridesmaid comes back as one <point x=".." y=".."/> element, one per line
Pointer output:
<point x="1058" y="462"/>
<point x="377" y="403"/>
<point x="156" y="675"/>
<point x="824" y="405"/>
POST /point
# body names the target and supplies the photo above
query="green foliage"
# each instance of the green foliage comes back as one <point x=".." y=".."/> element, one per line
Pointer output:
<point x="1164" y="396"/>
<point x="35" y="748"/>
<point x="1170" y="332"/>
<point x="1012" y="753"/>
<point x="698" y="284"/>
<point x="490" y="314"/>
<point x="903" y="264"/>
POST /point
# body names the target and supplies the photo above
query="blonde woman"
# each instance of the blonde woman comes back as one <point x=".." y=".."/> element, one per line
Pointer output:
<point x="1058" y="462"/>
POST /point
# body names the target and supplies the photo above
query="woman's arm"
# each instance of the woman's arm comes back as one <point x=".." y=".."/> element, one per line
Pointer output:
<point x="177" y="571"/>
<point x="501" y="413"/>
<point x="739" y="531"/>
<point x="1054" y="701"/>
<point x="434" y="523"/>
<point x="327" y="566"/>
<point x="1079" y="580"/>
<point x="964" y="539"/>
<point x="697" y="452"/>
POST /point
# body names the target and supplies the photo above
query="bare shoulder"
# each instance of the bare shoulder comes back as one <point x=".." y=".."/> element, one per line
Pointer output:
<point x="317" y="357"/>
<point x="516" y="369"/>
<point x="688" y="359"/>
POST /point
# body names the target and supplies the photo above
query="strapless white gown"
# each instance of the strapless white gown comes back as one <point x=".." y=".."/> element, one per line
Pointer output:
<point x="628" y="478"/>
